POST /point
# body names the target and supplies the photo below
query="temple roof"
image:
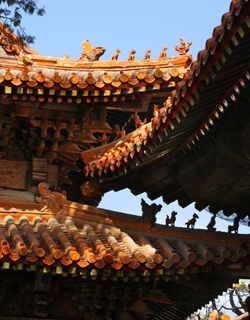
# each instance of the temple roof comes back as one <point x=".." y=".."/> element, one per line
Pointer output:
<point x="54" y="108"/>
<point x="189" y="138"/>
<point x="47" y="233"/>
<point x="92" y="118"/>
<point x="158" y="125"/>
<point x="71" y="74"/>
<point x="49" y="230"/>
<point x="22" y="67"/>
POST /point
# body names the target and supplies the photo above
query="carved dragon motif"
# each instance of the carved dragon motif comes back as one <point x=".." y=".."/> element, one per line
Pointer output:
<point x="183" y="48"/>
<point x="91" y="53"/>
<point x="149" y="212"/>
<point x="50" y="200"/>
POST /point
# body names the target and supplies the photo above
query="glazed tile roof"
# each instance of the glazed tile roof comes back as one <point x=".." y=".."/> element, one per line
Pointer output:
<point x="183" y="98"/>
<point x="90" y="81"/>
<point x="83" y="101"/>
<point x="11" y="45"/>
<point x="53" y="234"/>
<point x="203" y="96"/>
<point x="115" y="156"/>
<point x="22" y="67"/>
<point x="193" y="108"/>
<point x="78" y="238"/>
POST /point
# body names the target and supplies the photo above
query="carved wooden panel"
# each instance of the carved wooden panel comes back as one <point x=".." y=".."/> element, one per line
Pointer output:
<point x="13" y="174"/>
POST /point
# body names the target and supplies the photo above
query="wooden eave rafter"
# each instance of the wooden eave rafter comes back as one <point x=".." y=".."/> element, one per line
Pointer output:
<point x="53" y="100"/>
<point x="193" y="108"/>
<point x="190" y="92"/>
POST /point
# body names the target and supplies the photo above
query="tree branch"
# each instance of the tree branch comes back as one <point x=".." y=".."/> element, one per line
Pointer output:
<point x="12" y="18"/>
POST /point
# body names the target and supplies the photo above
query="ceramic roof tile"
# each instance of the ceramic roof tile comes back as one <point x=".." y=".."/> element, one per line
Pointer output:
<point x="72" y="237"/>
<point x="185" y="93"/>
<point x="29" y="69"/>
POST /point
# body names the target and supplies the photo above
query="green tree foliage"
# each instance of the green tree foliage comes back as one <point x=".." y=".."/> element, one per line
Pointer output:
<point x="232" y="302"/>
<point x="11" y="13"/>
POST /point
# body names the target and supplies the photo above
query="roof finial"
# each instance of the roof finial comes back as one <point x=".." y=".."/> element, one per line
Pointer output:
<point x="191" y="222"/>
<point x="116" y="55"/>
<point x="183" y="49"/>
<point x="171" y="220"/>
<point x="235" y="225"/>
<point x="132" y="55"/>
<point x="147" y="55"/>
<point x="149" y="212"/>
<point x="91" y="53"/>
<point x="163" y="53"/>
<point x="210" y="226"/>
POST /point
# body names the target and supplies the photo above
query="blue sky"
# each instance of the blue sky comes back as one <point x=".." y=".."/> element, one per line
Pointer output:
<point x="128" y="25"/>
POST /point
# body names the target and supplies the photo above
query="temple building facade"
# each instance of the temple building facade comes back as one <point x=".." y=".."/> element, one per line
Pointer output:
<point x="72" y="130"/>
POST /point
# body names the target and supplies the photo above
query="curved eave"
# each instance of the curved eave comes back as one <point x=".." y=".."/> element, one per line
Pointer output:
<point x="106" y="248"/>
<point x="12" y="45"/>
<point x="196" y="104"/>
<point x="80" y="237"/>
<point x="88" y="81"/>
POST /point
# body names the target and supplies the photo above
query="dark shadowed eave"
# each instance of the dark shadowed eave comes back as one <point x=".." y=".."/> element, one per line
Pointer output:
<point x="200" y="106"/>
<point x="164" y="268"/>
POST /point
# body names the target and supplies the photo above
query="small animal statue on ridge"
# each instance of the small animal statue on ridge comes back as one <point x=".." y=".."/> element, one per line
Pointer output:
<point x="171" y="220"/>
<point x="50" y="200"/>
<point x="155" y="110"/>
<point x="163" y="53"/>
<point x="118" y="132"/>
<point x="191" y="223"/>
<point x="183" y="49"/>
<point x="149" y="212"/>
<point x="132" y="55"/>
<point x="210" y="226"/>
<point x="91" y="53"/>
<point x="116" y="55"/>
<point x="235" y="225"/>
<point x="147" y="55"/>
<point x="138" y="122"/>
<point x="104" y="139"/>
